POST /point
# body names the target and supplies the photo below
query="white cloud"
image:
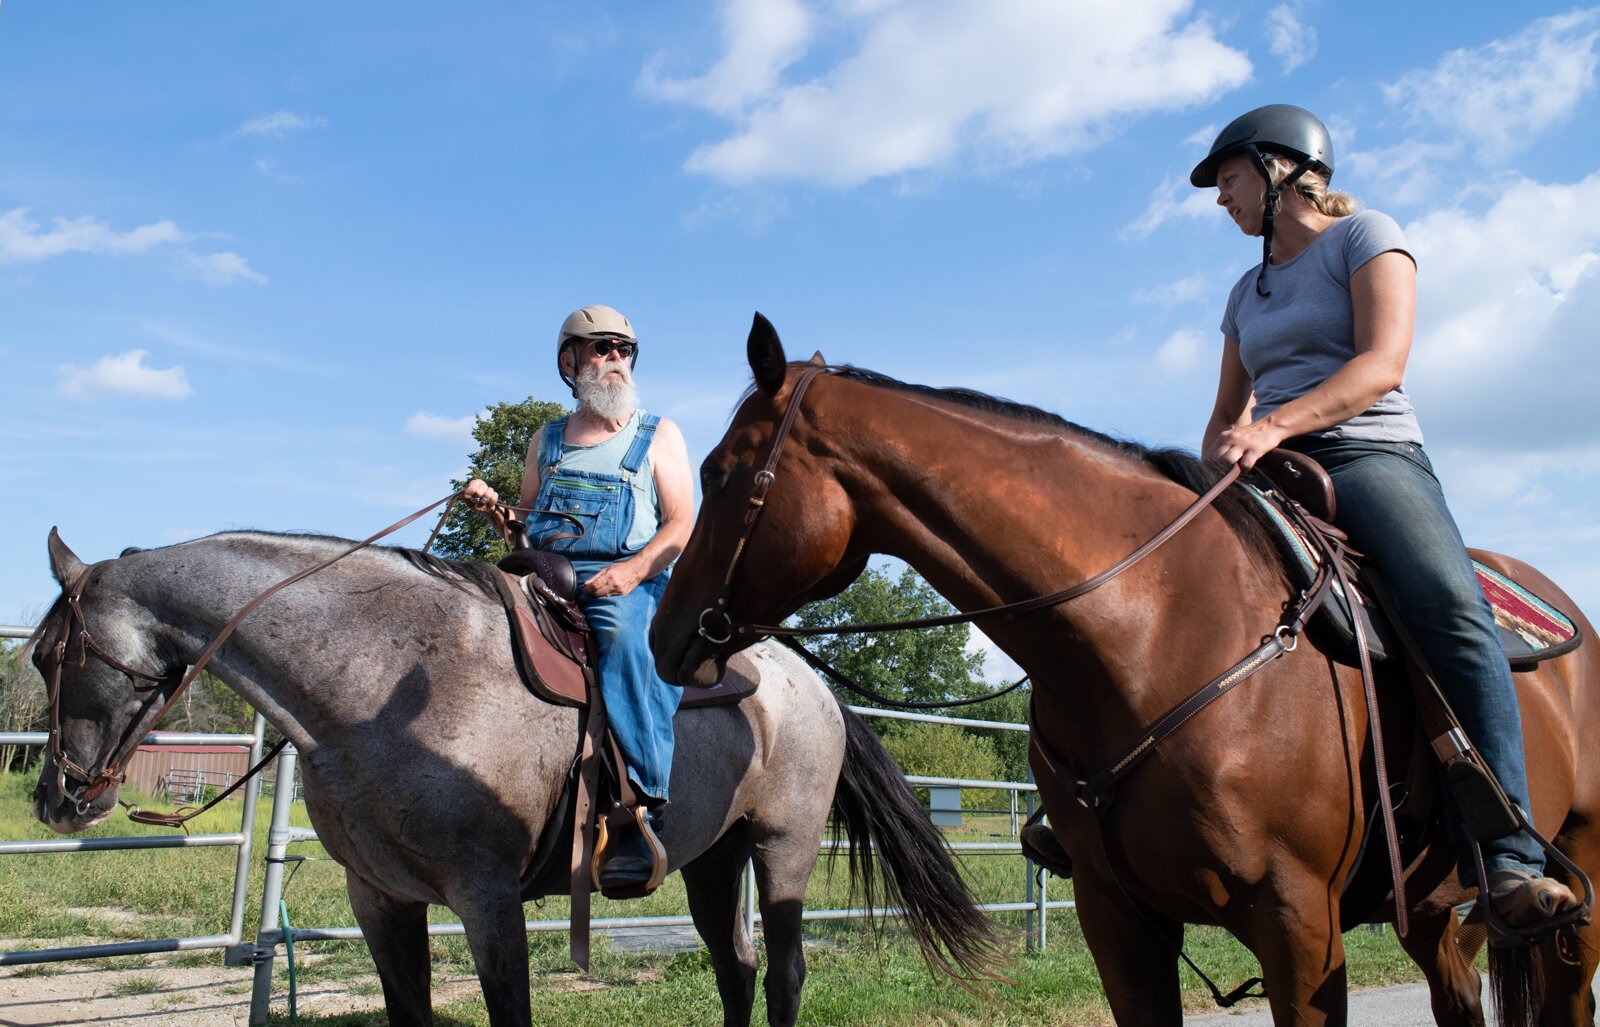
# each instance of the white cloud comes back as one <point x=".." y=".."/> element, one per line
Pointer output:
<point x="1409" y="173"/>
<point x="23" y="241"/>
<point x="760" y="39"/>
<point x="1507" y="304"/>
<point x="930" y="82"/>
<point x="122" y="375"/>
<point x="1173" y="198"/>
<point x="222" y="268"/>
<point x="1172" y="294"/>
<point x="1508" y="91"/>
<point x="175" y="337"/>
<point x="458" y="430"/>
<point x="279" y="125"/>
<point x="1181" y="352"/>
<point x="1291" y="40"/>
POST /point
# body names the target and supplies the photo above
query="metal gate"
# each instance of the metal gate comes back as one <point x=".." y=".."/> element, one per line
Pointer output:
<point x="265" y="949"/>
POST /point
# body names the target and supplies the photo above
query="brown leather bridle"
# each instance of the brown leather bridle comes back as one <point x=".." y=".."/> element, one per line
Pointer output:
<point x="724" y="627"/>
<point x="758" y="499"/>
<point x="112" y="769"/>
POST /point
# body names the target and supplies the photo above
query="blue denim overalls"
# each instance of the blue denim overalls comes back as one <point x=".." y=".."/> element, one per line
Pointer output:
<point x="639" y="704"/>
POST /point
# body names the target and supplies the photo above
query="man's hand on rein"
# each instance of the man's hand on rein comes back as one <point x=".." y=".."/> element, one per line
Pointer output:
<point x="479" y="495"/>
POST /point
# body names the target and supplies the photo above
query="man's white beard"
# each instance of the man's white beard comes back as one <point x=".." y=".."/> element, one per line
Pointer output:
<point x="608" y="396"/>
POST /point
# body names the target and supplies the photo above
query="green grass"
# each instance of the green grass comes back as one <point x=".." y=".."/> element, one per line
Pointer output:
<point x="852" y="979"/>
<point x="138" y="985"/>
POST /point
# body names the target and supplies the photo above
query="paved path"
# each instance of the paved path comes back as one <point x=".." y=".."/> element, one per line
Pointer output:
<point x="1402" y="1006"/>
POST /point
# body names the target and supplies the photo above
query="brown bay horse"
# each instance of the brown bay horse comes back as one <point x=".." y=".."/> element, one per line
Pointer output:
<point x="1251" y="816"/>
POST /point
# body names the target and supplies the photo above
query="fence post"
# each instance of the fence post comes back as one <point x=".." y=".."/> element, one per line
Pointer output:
<point x="247" y="827"/>
<point x="272" y="888"/>
<point x="1036" y="890"/>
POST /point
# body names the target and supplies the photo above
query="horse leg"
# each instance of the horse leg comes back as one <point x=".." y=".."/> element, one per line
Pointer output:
<point x="783" y="864"/>
<point x="1136" y="953"/>
<point x="397" y="936"/>
<point x="1293" y="929"/>
<point x="491" y="913"/>
<point x="1568" y="961"/>
<point x="1454" y="987"/>
<point x="712" y="883"/>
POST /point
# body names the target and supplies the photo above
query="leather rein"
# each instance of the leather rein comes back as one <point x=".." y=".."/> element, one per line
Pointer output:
<point x="723" y="628"/>
<point x="112" y="769"/>
<point x="717" y="626"/>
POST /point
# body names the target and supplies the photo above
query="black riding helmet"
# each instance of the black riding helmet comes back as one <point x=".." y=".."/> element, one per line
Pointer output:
<point x="1278" y="129"/>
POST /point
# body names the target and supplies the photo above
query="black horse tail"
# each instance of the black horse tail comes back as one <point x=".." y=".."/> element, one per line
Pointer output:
<point x="1516" y="983"/>
<point x="878" y="811"/>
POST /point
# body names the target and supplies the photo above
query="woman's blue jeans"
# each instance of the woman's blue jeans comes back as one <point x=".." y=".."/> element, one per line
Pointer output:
<point x="1392" y="507"/>
<point x="639" y="704"/>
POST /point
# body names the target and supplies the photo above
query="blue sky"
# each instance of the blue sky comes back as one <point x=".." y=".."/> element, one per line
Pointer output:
<point x="261" y="264"/>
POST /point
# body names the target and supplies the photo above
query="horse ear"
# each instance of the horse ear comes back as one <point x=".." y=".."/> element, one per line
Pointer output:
<point x="817" y="358"/>
<point x="766" y="356"/>
<point x="64" y="563"/>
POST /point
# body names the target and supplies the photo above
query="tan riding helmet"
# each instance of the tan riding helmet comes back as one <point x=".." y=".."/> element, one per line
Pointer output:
<point x="596" y="322"/>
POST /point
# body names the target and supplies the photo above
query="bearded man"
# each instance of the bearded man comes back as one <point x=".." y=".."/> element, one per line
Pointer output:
<point x="608" y="486"/>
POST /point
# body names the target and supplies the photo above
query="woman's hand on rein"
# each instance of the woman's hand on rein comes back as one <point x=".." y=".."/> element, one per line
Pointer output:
<point x="1247" y="443"/>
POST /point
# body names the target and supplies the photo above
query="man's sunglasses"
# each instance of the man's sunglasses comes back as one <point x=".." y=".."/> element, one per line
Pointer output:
<point x="603" y="348"/>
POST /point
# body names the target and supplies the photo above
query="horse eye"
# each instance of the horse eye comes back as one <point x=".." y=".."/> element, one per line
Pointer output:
<point x="712" y="479"/>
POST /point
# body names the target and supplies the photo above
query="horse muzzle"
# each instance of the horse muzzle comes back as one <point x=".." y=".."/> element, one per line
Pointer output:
<point x="688" y="660"/>
<point x="57" y="801"/>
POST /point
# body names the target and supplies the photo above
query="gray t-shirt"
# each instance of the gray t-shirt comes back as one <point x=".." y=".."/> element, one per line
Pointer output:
<point x="1295" y="339"/>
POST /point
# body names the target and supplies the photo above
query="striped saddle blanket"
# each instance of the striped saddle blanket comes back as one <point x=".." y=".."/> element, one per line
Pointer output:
<point x="1531" y="629"/>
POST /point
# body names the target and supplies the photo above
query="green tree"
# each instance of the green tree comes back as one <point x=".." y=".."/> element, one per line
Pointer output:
<point x="926" y="665"/>
<point x="929" y="665"/>
<point x="210" y="707"/>
<point x="1010" y="746"/>
<point x="945" y="750"/>
<point x="503" y="434"/>
<point x="22" y="705"/>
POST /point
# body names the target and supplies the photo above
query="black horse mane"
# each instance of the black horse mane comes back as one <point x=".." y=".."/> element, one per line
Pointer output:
<point x="1243" y="514"/>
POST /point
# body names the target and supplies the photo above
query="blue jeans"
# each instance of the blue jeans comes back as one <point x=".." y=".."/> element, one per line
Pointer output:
<point x="1392" y="507"/>
<point x="638" y="703"/>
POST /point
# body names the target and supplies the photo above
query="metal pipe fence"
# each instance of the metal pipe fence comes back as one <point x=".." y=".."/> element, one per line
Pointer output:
<point x="243" y="839"/>
<point x="262" y="953"/>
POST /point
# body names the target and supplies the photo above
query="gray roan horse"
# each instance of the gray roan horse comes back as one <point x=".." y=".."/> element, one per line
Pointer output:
<point x="431" y="773"/>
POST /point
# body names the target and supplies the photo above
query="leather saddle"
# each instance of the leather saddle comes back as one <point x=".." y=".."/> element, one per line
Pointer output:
<point x="555" y="647"/>
<point x="557" y="656"/>
<point x="1298" y="496"/>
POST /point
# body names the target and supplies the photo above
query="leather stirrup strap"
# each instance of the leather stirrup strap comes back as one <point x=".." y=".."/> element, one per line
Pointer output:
<point x="594" y="733"/>
<point x="1380" y="763"/>
<point x="1485" y="810"/>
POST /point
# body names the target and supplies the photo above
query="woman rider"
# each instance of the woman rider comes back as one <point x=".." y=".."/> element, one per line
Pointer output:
<point x="1314" y="356"/>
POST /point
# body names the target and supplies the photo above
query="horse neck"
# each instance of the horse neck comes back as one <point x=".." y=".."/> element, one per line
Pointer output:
<point x="323" y="653"/>
<point x="991" y="509"/>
